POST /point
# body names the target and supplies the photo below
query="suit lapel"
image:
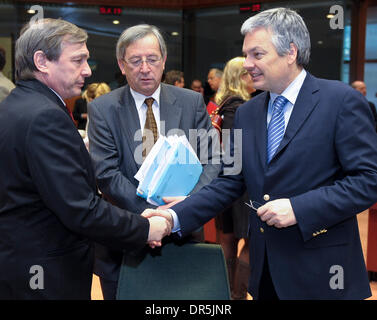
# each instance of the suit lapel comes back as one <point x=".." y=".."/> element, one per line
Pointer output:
<point x="129" y="118"/>
<point x="170" y="112"/>
<point x="305" y="103"/>
<point x="261" y="130"/>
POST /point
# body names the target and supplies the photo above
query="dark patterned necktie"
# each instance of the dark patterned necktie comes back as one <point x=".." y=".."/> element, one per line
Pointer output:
<point x="151" y="125"/>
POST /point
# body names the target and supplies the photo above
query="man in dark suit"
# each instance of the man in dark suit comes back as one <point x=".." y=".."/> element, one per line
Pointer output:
<point x="120" y="120"/>
<point x="49" y="210"/>
<point x="309" y="163"/>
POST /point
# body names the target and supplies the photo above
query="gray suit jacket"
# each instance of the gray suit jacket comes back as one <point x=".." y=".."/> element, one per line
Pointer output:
<point x="113" y="144"/>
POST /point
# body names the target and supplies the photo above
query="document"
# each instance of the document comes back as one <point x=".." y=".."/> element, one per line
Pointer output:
<point x="171" y="168"/>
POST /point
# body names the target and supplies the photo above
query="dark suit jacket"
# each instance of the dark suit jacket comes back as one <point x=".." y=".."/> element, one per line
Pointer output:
<point x="326" y="165"/>
<point x="49" y="210"/>
<point x="113" y="146"/>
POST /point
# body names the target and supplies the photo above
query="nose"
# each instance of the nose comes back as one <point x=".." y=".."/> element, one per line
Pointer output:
<point x="86" y="72"/>
<point x="144" y="67"/>
<point x="249" y="63"/>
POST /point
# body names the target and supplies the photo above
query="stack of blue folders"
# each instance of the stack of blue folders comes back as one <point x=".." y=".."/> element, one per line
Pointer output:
<point x="171" y="169"/>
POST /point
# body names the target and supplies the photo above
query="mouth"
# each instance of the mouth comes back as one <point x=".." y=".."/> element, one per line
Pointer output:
<point x="256" y="75"/>
<point x="146" y="80"/>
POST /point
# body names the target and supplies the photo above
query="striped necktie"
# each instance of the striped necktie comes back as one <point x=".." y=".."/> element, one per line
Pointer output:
<point x="150" y="124"/>
<point x="276" y="128"/>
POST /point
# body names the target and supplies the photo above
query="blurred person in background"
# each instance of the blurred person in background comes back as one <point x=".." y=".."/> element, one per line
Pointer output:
<point x="362" y="88"/>
<point x="80" y="113"/>
<point x="6" y="86"/>
<point x="235" y="88"/>
<point x="175" y="78"/>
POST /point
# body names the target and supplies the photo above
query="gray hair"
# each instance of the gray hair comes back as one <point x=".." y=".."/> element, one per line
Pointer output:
<point x="286" y="27"/>
<point x="135" y="33"/>
<point x="47" y="35"/>
<point x="218" y="73"/>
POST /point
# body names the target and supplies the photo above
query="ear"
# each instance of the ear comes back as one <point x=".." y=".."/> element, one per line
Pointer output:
<point x="163" y="63"/>
<point x="40" y="61"/>
<point x="292" y="54"/>
<point x="121" y="66"/>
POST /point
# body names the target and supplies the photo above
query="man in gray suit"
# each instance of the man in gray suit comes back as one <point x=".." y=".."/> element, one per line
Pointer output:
<point x="123" y="122"/>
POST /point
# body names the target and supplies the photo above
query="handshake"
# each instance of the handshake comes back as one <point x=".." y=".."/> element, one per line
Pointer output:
<point x="160" y="221"/>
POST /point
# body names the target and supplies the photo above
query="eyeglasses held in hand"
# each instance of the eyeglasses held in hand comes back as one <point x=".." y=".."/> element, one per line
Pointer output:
<point x="253" y="205"/>
<point x="137" y="61"/>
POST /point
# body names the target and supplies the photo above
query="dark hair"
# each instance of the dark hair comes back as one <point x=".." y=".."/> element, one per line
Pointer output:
<point x="172" y="76"/>
<point x="2" y="58"/>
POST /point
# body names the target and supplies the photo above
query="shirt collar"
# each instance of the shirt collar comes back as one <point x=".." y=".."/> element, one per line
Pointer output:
<point x="140" y="98"/>
<point x="292" y="91"/>
<point x="57" y="95"/>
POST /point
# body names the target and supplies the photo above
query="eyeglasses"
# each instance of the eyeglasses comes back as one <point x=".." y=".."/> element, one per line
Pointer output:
<point x="137" y="61"/>
<point x="253" y="205"/>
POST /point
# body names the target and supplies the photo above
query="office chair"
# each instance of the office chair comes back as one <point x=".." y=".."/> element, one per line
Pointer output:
<point x="189" y="271"/>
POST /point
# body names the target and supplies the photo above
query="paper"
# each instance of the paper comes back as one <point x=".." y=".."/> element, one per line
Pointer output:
<point x="171" y="169"/>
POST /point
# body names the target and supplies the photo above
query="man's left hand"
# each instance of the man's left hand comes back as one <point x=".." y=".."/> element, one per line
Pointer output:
<point x="277" y="213"/>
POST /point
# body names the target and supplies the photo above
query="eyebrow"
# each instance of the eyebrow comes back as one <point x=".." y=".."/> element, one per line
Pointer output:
<point x="81" y="55"/>
<point x="253" y="49"/>
<point x="148" y="55"/>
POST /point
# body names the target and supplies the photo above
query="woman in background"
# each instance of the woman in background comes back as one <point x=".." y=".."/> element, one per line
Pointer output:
<point x="235" y="88"/>
<point x="94" y="90"/>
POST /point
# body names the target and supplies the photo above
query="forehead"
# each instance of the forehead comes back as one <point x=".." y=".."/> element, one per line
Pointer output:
<point x="258" y="38"/>
<point x="212" y="74"/>
<point x="73" y="49"/>
<point x="144" y="46"/>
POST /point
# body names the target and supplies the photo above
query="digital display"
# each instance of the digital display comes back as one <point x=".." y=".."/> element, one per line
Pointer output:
<point x="114" y="11"/>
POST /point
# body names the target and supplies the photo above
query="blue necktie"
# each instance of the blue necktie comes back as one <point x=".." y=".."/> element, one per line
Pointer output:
<point x="276" y="128"/>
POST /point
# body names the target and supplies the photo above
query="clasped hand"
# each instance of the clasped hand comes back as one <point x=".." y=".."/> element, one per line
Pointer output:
<point x="160" y="225"/>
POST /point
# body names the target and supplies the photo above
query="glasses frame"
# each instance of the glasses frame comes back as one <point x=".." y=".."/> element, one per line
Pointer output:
<point x="144" y="60"/>
<point x="253" y="205"/>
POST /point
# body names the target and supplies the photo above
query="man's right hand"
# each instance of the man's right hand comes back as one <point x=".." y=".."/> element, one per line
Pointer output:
<point x="159" y="227"/>
<point x="155" y="218"/>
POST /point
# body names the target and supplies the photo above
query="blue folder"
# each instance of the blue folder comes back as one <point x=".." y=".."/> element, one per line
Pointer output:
<point x="142" y="189"/>
<point x="179" y="177"/>
<point x="174" y="171"/>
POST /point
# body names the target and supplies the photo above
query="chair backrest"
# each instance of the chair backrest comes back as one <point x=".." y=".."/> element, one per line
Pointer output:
<point x="191" y="271"/>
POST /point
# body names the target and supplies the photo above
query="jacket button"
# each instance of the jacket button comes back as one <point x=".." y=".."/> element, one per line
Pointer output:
<point x="266" y="197"/>
<point x="261" y="229"/>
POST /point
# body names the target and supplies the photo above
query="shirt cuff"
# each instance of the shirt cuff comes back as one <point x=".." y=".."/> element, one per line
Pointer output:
<point x="176" y="224"/>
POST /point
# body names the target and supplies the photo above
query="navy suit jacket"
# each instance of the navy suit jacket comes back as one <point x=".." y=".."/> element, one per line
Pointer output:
<point x="113" y="145"/>
<point x="326" y="165"/>
<point x="49" y="210"/>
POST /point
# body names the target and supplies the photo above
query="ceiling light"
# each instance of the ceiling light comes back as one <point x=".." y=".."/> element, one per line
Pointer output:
<point x="30" y="11"/>
<point x="330" y="16"/>
<point x="116" y="21"/>
<point x="175" y="33"/>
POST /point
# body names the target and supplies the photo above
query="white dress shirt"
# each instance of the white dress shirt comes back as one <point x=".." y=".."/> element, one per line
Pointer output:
<point x="290" y="93"/>
<point x="142" y="107"/>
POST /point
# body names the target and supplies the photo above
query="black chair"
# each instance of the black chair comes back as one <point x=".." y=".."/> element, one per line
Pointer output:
<point x="189" y="271"/>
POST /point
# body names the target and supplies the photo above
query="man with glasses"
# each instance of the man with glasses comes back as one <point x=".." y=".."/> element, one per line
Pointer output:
<point x="309" y="163"/>
<point x="125" y="123"/>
